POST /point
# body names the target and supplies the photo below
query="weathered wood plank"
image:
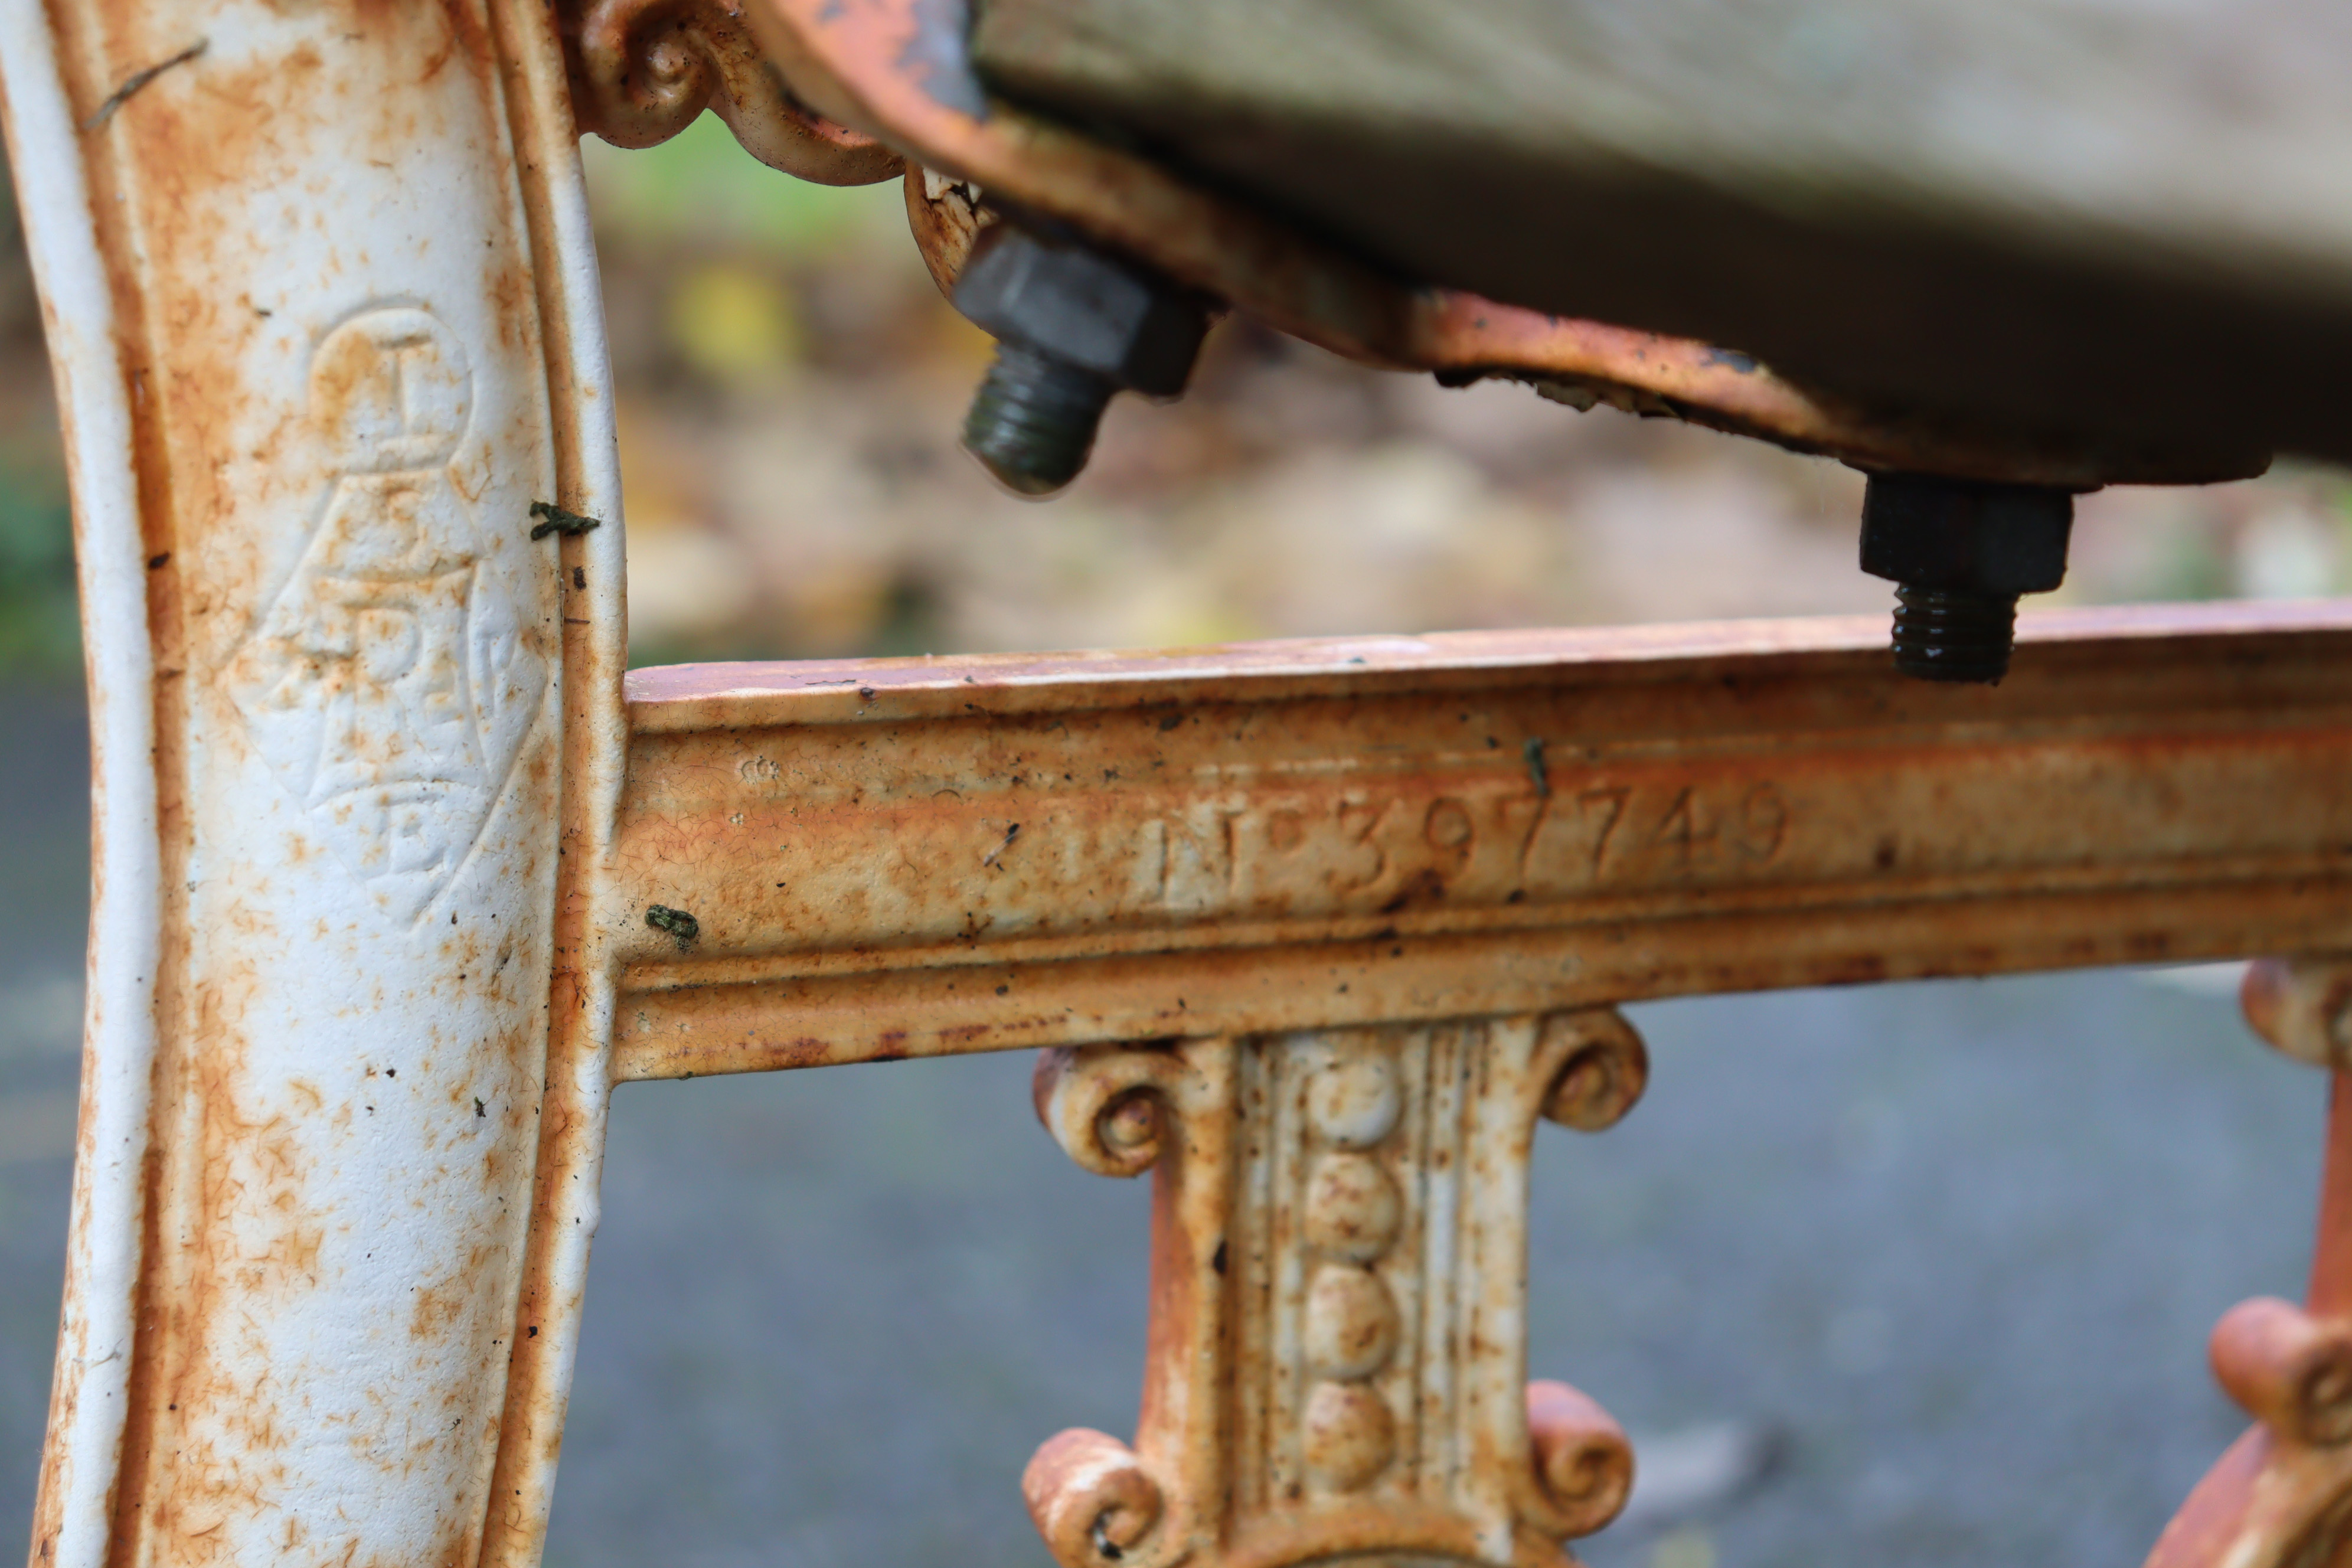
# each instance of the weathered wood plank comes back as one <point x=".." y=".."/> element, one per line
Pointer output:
<point x="2083" y="213"/>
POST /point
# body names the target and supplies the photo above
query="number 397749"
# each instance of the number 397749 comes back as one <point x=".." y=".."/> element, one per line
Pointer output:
<point x="1392" y="849"/>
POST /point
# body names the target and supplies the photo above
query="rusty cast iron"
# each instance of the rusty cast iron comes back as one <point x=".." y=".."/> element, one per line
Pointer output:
<point x="2281" y="1496"/>
<point x="322" y="297"/>
<point x="921" y="856"/>
<point x="380" y="834"/>
<point x="641" y="70"/>
<point x="1338" y="1278"/>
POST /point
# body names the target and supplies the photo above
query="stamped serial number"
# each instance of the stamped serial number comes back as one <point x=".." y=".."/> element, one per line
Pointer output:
<point x="1400" y="848"/>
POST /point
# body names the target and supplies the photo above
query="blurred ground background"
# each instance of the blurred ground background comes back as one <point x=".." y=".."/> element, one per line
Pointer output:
<point x="1944" y="1254"/>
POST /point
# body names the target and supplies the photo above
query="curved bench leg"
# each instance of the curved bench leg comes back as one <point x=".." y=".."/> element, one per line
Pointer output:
<point x="322" y="304"/>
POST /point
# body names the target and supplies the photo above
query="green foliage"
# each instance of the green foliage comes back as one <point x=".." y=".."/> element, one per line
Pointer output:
<point x="39" y="627"/>
<point x="701" y="187"/>
<point x="40" y="632"/>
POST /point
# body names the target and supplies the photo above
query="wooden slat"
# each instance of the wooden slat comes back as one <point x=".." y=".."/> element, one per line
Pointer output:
<point x="2063" y="213"/>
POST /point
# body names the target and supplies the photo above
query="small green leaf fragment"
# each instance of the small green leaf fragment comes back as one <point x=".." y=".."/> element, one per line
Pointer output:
<point x="556" y="519"/>
<point x="677" y="923"/>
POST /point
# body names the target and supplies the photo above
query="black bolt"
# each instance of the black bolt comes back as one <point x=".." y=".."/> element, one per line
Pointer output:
<point x="1960" y="551"/>
<point x="1032" y="421"/>
<point x="1074" y="325"/>
<point x="1941" y="634"/>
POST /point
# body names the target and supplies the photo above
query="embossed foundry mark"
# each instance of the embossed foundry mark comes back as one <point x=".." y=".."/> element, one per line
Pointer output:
<point x="391" y="684"/>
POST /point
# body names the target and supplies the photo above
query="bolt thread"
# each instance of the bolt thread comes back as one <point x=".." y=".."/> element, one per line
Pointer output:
<point x="1032" y="421"/>
<point x="1943" y="634"/>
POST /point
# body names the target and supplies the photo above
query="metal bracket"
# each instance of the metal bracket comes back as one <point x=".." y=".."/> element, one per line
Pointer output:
<point x="2281" y="1495"/>
<point x="1338" y="1276"/>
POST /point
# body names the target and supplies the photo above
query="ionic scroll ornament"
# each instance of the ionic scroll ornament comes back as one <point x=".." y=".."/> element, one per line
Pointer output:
<point x="1583" y="1465"/>
<point x="642" y="69"/>
<point x="2281" y="1496"/>
<point x="1092" y="1499"/>
<point x="1603" y="1069"/>
<point x="1338" y="1362"/>
<point x="1109" y="1107"/>
<point x="2287" y="1369"/>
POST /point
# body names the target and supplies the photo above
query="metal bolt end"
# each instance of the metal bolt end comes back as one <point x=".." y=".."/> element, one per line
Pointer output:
<point x="1942" y="634"/>
<point x="1032" y="422"/>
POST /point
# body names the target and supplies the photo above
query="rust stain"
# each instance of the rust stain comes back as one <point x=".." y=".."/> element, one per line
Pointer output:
<point x="1314" y="1388"/>
<point x="1355" y="910"/>
<point x="641" y="70"/>
<point x="139" y="78"/>
<point x="2281" y="1496"/>
<point x="1333" y="836"/>
<point x="247" y="1159"/>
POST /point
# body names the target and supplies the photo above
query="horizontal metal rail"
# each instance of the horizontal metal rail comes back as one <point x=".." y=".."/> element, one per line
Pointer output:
<point x="918" y="858"/>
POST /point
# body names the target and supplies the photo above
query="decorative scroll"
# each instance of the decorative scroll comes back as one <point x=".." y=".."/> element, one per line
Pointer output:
<point x="1338" y="1354"/>
<point x="642" y="69"/>
<point x="2281" y="1496"/>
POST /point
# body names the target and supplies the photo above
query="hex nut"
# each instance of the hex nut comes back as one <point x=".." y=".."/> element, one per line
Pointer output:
<point x="1960" y="551"/>
<point x="1964" y="535"/>
<point x="1083" y="308"/>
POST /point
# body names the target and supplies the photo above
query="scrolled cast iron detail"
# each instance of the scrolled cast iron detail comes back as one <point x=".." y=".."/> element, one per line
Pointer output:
<point x="1108" y="1105"/>
<point x="1336" y="1371"/>
<point x="2302" y="1007"/>
<point x="642" y="69"/>
<point x="2290" y="1371"/>
<point x="1583" y="1463"/>
<point x="2281" y="1496"/>
<point x="1607" y="1068"/>
<point x="1092" y="1499"/>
